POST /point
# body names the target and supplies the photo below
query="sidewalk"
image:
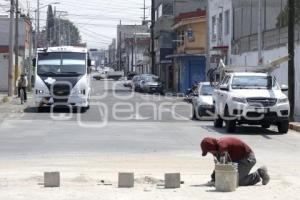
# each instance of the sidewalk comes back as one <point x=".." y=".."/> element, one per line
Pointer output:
<point x="13" y="104"/>
<point x="82" y="178"/>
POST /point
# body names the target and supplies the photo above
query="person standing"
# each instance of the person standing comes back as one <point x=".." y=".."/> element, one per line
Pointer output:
<point x="238" y="152"/>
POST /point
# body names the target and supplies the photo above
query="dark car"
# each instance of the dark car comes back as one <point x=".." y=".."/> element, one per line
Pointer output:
<point x="151" y="84"/>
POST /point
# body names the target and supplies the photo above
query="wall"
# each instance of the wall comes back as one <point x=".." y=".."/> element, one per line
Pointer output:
<point x="281" y="74"/>
<point x="215" y="8"/>
<point x="3" y="72"/>
<point x="199" y="43"/>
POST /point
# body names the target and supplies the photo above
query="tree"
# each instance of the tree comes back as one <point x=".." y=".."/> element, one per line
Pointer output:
<point x="68" y="33"/>
<point x="50" y="24"/>
<point x="283" y="17"/>
<point x="60" y="31"/>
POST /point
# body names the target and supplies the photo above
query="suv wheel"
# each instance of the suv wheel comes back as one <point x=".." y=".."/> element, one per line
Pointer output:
<point x="266" y="126"/>
<point x="230" y="125"/>
<point x="218" y="122"/>
<point x="283" y="127"/>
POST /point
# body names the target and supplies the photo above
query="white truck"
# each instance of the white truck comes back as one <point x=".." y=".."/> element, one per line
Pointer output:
<point x="62" y="77"/>
<point x="251" y="98"/>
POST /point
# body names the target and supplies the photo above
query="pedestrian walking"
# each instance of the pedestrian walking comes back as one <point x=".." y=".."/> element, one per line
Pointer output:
<point x="22" y="84"/>
<point x="238" y="152"/>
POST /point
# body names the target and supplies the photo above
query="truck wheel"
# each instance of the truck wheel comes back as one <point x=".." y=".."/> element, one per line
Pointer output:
<point x="218" y="122"/>
<point x="283" y="127"/>
<point x="230" y="126"/>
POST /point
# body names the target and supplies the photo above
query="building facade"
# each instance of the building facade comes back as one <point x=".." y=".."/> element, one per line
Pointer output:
<point x="25" y="49"/>
<point x="220" y="31"/>
<point x="189" y="57"/>
<point x="165" y="38"/>
<point x="131" y="46"/>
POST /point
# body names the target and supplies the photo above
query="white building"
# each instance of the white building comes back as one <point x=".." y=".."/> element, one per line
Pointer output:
<point x="220" y="31"/>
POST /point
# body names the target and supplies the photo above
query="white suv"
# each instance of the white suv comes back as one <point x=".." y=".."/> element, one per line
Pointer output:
<point x="251" y="98"/>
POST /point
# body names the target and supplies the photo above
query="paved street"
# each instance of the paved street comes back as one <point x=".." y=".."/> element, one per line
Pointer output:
<point x="156" y="138"/>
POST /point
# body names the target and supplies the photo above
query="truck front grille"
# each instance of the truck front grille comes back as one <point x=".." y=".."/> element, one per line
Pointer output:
<point x="61" y="90"/>
<point x="262" y="102"/>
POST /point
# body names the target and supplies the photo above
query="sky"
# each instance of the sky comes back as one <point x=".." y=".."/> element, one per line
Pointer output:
<point x="96" y="19"/>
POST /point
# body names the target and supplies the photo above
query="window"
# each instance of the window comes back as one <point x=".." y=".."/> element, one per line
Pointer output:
<point x="227" y="22"/>
<point x="220" y="28"/>
<point x="214" y="28"/>
<point x="158" y="12"/>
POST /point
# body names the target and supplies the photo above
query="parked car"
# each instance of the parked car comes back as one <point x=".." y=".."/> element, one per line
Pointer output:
<point x="251" y="98"/>
<point x="202" y="102"/>
<point x="99" y="76"/>
<point x="135" y="82"/>
<point x="151" y="84"/>
<point x="115" y="75"/>
<point x="128" y="82"/>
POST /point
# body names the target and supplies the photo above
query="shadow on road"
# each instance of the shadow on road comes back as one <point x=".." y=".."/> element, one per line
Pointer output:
<point x="245" y="130"/>
<point x="61" y="109"/>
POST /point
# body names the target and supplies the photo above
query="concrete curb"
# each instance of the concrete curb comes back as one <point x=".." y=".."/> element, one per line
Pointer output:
<point x="295" y="126"/>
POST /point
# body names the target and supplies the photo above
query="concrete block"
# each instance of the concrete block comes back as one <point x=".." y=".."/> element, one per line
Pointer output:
<point x="172" y="180"/>
<point x="51" y="179"/>
<point x="126" y="180"/>
<point x="295" y="126"/>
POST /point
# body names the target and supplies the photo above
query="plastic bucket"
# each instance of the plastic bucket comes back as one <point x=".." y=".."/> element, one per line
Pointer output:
<point x="226" y="177"/>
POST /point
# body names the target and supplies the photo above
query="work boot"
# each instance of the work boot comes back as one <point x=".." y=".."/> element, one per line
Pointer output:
<point x="263" y="173"/>
<point x="210" y="183"/>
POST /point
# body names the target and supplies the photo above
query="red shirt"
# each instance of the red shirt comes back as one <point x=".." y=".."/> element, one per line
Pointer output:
<point x="236" y="148"/>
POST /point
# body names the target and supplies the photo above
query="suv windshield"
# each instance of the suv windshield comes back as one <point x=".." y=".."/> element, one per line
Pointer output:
<point x="61" y="64"/>
<point x="151" y="79"/>
<point x="206" y="90"/>
<point x="250" y="82"/>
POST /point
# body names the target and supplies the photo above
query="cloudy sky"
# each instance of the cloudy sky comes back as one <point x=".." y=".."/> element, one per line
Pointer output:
<point x="96" y="19"/>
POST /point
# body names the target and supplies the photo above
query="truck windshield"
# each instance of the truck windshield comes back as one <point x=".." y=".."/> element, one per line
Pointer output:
<point x="251" y="82"/>
<point x="61" y="64"/>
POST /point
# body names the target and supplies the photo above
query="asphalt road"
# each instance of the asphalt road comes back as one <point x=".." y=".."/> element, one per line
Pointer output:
<point x="141" y="124"/>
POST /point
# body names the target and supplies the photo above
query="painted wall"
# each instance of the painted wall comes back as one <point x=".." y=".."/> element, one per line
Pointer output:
<point x="3" y="72"/>
<point x="192" y="70"/>
<point x="281" y="74"/>
<point x="199" y="42"/>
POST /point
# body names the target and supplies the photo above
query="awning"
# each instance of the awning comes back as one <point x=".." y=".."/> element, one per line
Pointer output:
<point x="184" y="55"/>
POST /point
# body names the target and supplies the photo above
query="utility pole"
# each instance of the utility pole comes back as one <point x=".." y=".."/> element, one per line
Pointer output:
<point x="260" y="59"/>
<point x="38" y="25"/>
<point x="59" y="35"/>
<point x="152" y="52"/>
<point x="69" y="35"/>
<point x="120" y="46"/>
<point x="11" y="51"/>
<point x="54" y="31"/>
<point x="17" y="41"/>
<point x="144" y="9"/>
<point x="291" y="47"/>
<point x="30" y="53"/>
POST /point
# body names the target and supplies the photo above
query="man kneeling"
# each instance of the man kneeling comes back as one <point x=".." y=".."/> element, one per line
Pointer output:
<point x="238" y="152"/>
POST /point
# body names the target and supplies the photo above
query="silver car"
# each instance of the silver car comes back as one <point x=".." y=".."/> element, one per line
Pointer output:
<point x="202" y="101"/>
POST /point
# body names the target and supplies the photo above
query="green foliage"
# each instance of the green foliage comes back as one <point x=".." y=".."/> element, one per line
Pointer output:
<point x="50" y="23"/>
<point x="62" y="30"/>
<point x="283" y="17"/>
